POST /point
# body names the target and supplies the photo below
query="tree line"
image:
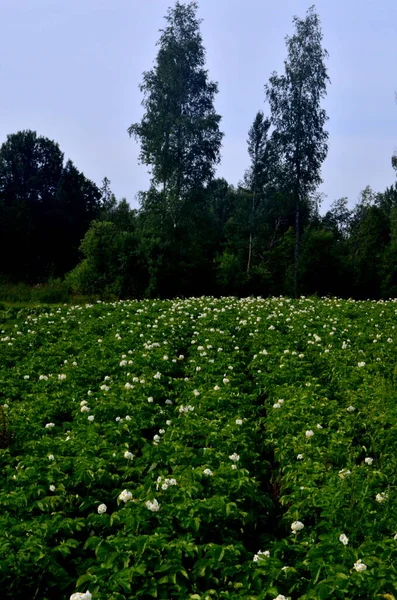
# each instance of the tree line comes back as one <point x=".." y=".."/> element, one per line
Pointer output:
<point x="195" y="234"/>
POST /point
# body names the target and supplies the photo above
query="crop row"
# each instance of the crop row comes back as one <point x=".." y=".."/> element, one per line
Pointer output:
<point x="202" y="448"/>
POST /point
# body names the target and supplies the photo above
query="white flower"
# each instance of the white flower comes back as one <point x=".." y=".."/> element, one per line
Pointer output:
<point x="84" y="408"/>
<point x="381" y="497"/>
<point x="62" y="377"/>
<point x="83" y="402"/>
<point x="150" y="399"/>
<point x="226" y="380"/>
<point x="234" y="457"/>
<point x="168" y="402"/>
<point x="296" y="526"/>
<point x="217" y="388"/>
<point x="102" y="508"/>
<point x="123" y="363"/>
<point x="299" y="457"/>
<point x="128" y="418"/>
<point x="208" y="472"/>
<point x="196" y="393"/>
<point x="319" y="426"/>
<point x="50" y="425"/>
<point x="157" y="375"/>
<point x="128" y="386"/>
<point x="51" y="457"/>
<point x="359" y="566"/>
<point x="91" y="418"/>
<point x="80" y="596"/>
<point x="277" y="405"/>
<point x="153" y="506"/>
<point x="309" y="433"/>
<point x="125" y="496"/>
<point x="344" y="473"/>
<point x="361" y="364"/>
<point x="260" y="554"/>
<point x="395" y="537"/>
<point x="368" y="460"/>
<point x="344" y="539"/>
<point x="52" y="488"/>
<point x="168" y="422"/>
<point x="281" y="597"/>
<point x="239" y="421"/>
<point x="350" y="408"/>
<point x="128" y="455"/>
<point x="234" y="466"/>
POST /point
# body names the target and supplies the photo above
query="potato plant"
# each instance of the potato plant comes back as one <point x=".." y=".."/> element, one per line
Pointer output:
<point x="199" y="449"/>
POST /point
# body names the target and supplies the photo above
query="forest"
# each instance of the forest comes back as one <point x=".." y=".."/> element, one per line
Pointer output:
<point x="195" y="234"/>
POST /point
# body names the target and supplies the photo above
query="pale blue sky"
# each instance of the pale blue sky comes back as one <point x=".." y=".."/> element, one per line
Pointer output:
<point x="70" y="69"/>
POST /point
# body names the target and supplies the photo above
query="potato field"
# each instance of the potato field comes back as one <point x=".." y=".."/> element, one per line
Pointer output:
<point x="199" y="449"/>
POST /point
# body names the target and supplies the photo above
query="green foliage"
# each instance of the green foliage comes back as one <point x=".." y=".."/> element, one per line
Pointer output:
<point x="298" y="139"/>
<point x="166" y="449"/>
<point x="107" y="267"/>
<point x="195" y="235"/>
<point x="55" y="291"/>
<point x="322" y="268"/>
<point x="231" y="276"/>
<point x="179" y="132"/>
<point x="45" y="209"/>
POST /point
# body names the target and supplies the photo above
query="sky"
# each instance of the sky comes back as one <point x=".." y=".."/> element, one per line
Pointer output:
<point x="71" y="69"/>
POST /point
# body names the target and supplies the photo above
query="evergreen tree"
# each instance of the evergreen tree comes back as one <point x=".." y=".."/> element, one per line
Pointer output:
<point x="299" y="138"/>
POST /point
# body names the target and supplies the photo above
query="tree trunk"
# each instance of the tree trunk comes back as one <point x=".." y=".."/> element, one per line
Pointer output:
<point x="297" y="223"/>
<point x="249" y="253"/>
<point x="250" y="234"/>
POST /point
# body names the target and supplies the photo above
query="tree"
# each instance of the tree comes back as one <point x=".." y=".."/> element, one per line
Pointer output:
<point x="299" y="137"/>
<point x="46" y="208"/>
<point x="257" y="176"/>
<point x="108" y="199"/>
<point x="369" y="238"/>
<point x="77" y="204"/>
<point x="30" y="172"/>
<point x="110" y="263"/>
<point x="179" y="131"/>
<point x="338" y="218"/>
<point x="30" y="169"/>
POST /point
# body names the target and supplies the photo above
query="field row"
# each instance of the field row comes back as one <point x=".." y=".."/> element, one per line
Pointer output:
<point x="203" y="448"/>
